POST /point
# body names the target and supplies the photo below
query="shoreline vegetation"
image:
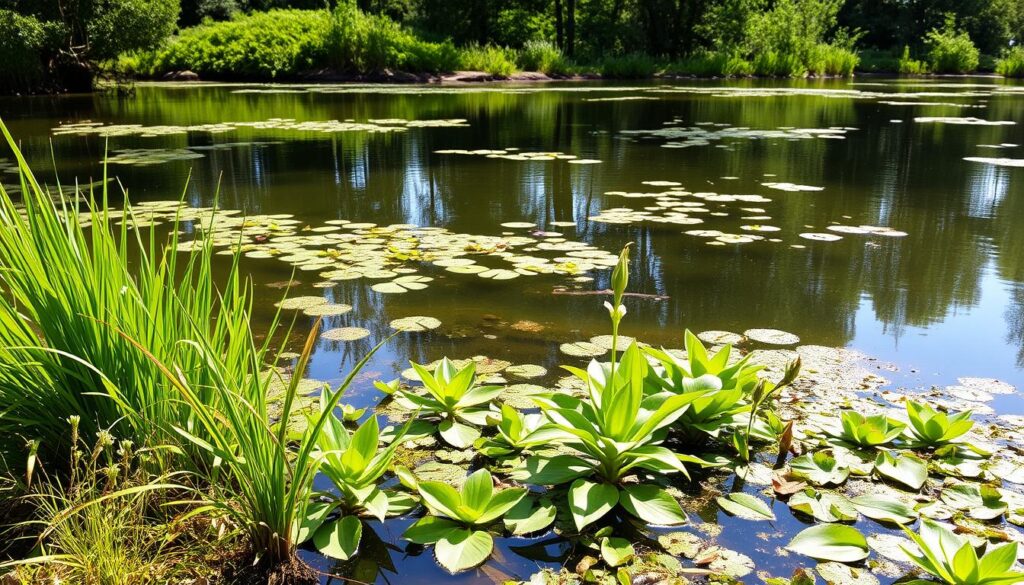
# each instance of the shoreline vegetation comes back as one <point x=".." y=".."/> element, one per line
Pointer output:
<point x="231" y="40"/>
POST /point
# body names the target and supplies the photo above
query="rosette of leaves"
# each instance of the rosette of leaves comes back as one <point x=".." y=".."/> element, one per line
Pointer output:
<point x="354" y="462"/>
<point x="516" y="432"/>
<point x="727" y="386"/>
<point x="953" y="558"/>
<point x="453" y="398"/>
<point x="618" y="430"/>
<point x="931" y="428"/>
<point x="458" y="520"/>
<point x="867" y="431"/>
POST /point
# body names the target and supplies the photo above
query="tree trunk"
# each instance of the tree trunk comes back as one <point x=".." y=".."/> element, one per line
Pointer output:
<point x="559" y="37"/>
<point x="570" y="28"/>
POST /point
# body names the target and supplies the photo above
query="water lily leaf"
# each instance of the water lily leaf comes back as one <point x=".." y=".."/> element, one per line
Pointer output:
<point x="616" y="551"/>
<point x="416" y="323"/>
<point x="526" y="371"/>
<point x="582" y="349"/>
<point x="345" y="334"/>
<point x="840" y="574"/>
<point x="830" y="542"/>
<point x="771" y="336"/>
<point x="684" y="544"/>
<point x="530" y="515"/>
<point x="820" y="467"/>
<point x="339" y="539"/>
<point x="652" y="505"/>
<point x="981" y="501"/>
<point x="746" y="506"/>
<point x="402" y="284"/>
<point x="327" y="310"/>
<point x="723" y="561"/>
<point x="300" y="303"/>
<point x="462" y="549"/>
<point x="884" y="509"/>
<point x="905" y="468"/>
<point x="499" y="274"/>
<point x="589" y="501"/>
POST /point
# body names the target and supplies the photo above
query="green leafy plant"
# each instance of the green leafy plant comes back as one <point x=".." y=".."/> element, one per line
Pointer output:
<point x="867" y="431"/>
<point x="516" y="432"/>
<point x="934" y="429"/>
<point x="950" y="49"/>
<point x="456" y="526"/>
<point x="618" y="429"/>
<point x="953" y="558"/>
<point x="1011" y="64"/>
<point x="453" y="399"/>
<point x="354" y="462"/>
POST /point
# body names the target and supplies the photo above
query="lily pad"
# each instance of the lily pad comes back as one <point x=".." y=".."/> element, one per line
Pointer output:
<point x="345" y="334"/>
<point x="582" y="349"/>
<point x="772" y="336"/>
<point x="415" y="323"/>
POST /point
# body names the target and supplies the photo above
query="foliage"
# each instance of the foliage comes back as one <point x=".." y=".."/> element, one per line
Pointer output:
<point x="457" y="518"/>
<point x="1011" y="64"/>
<point x="542" y="56"/>
<point x="490" y="59"/>
<point x="792" y="29"/>
<point x="452" y="397"/>
<point x="360" y="42"/>
<point x="909" y="66"/>
<point x="516" y="432"/>
<point x="868" y="431"/>
<point x="20" y="51"/>
<point x="934" y="429"/>
<point x="953" y="558"/>
<point x="712" y="64"/>
<point x="950" y="49"/>
<point x="629" y="66"/>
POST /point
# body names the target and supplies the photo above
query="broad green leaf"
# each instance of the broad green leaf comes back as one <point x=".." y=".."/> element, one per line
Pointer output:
<point x="501" y="503"/>
<point x="589" y="501"/>
<point x="463" y="549"/>
<point x="339" y="539"/>
<point x="884" y="509"/>
<point x="821" y="468"/>
<point x="652" y="504"/>
<point x="530" y="515"/>
<point x="316" y="514"/>
<point x="904" y="468"/>
<point x="442" y="498"/>
<point x="456" y="434"/>
<point x="616" y="551"/>
<point x="429" y="529"/>
<point x="831" y="542"/>
<point x="477" y="490"/>
<point x="551" y="470"/>
<point x="824" y="506"/>
<point x="746" y="506"/>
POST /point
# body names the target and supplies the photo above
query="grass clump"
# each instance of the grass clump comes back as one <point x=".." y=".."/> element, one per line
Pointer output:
<point x="490" y="59"/>
<point x="1011" y="64"/>
<point x="544" y="57"/>
<point x="712" y="64"/>
<point x="906" y="65"/>
<point x="629" y="66"/>
<point x="951" y="50"/>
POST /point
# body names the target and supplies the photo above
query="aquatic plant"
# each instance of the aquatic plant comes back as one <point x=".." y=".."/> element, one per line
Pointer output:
<point x="542" y="56"/>
<point x="1011" y="64"/>
<point x="453" y="396"/>
<point x="490" y="59"/>
<point x="456" y="526"/>
<point x="867" y="431"/>
<point x="954" y="560"/>
<point x="354" y="462"/>
<point x="516" y="432"/>
<point x="932" y="428"/>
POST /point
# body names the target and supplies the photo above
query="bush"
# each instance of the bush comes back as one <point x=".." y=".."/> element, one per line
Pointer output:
<point x="828" y="59"/>
<point x="128" y="25"/>
<point x="1011" y="64"/>
<point x="631" y="66"/>
<point x="950" y="50"/>
<point x="542" y="56"/>
<point x="877" y="61"/>
<point x="260" y="45"/>
<point x="493" y="60"/>
<point x="910" y="66"/>
<point x="20" y="51"/>
<point x="363" y="43"/>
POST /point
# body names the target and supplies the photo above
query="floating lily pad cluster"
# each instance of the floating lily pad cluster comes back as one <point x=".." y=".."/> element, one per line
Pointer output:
<point x="704" y="134"/>
<point x="389" y="256"/>
<point x="522" y="155"/>
<point x="273" y="124"/>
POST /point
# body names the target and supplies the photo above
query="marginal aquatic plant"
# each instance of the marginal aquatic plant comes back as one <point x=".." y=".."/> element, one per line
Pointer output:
<point x="452" y="396"/>
<point x="954" y="560"/>
<point x="867" y="431"/>
<point x="458" y="521"/>
<point x="516" y="432"/>
<point x="934" y="429"/>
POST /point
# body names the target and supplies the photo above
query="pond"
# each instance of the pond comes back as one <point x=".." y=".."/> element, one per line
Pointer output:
<point x="875" y="214"/>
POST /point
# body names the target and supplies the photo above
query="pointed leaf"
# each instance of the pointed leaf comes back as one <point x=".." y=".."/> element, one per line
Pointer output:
<point x="339" y="539"/>
<point x="589" y="501"/>
<point x="831" y="542"/>
<point x="652" y="505"/>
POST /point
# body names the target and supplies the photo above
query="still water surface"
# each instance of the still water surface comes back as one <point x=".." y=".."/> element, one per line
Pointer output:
<point x="944" y="301"/>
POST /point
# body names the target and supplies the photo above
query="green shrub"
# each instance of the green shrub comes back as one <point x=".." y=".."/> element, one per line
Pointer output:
<point x="362" y="43"/>
<point x="496" y="61"/>
<point x="542" y="56"/>
<point x="1011" y="64"/>
<point x="910" y="66"/>
<point x="951" y="50"/>
<point x="263" y="45"/>
<point x="630" y="66"/>
<point x="20" y="51"/>
<point x="877" y="61"/>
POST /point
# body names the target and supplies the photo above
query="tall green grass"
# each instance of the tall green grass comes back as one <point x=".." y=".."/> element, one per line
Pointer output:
<point x="907" y="65"/>
<point x="1011" y="64"/>
<point x="544" y="57"/>
<point x="78" y="306"/>
<point x="497" y="61"/>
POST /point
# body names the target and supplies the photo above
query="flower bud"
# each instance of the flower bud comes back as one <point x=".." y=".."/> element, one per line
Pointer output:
<point x="620" y="275"/>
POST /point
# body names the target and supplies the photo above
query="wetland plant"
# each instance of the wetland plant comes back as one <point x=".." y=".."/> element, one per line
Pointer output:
<point x="867" y="431"/>
<point x="516" y="432"/>
<point x="453" y="397"/>
<point x="458" y="519"/>
<point x="931" y="428"/>
<point x="953" y="559"/>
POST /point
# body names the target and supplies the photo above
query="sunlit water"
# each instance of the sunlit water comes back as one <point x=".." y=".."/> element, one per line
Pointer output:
<point x="945" y="301"/>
